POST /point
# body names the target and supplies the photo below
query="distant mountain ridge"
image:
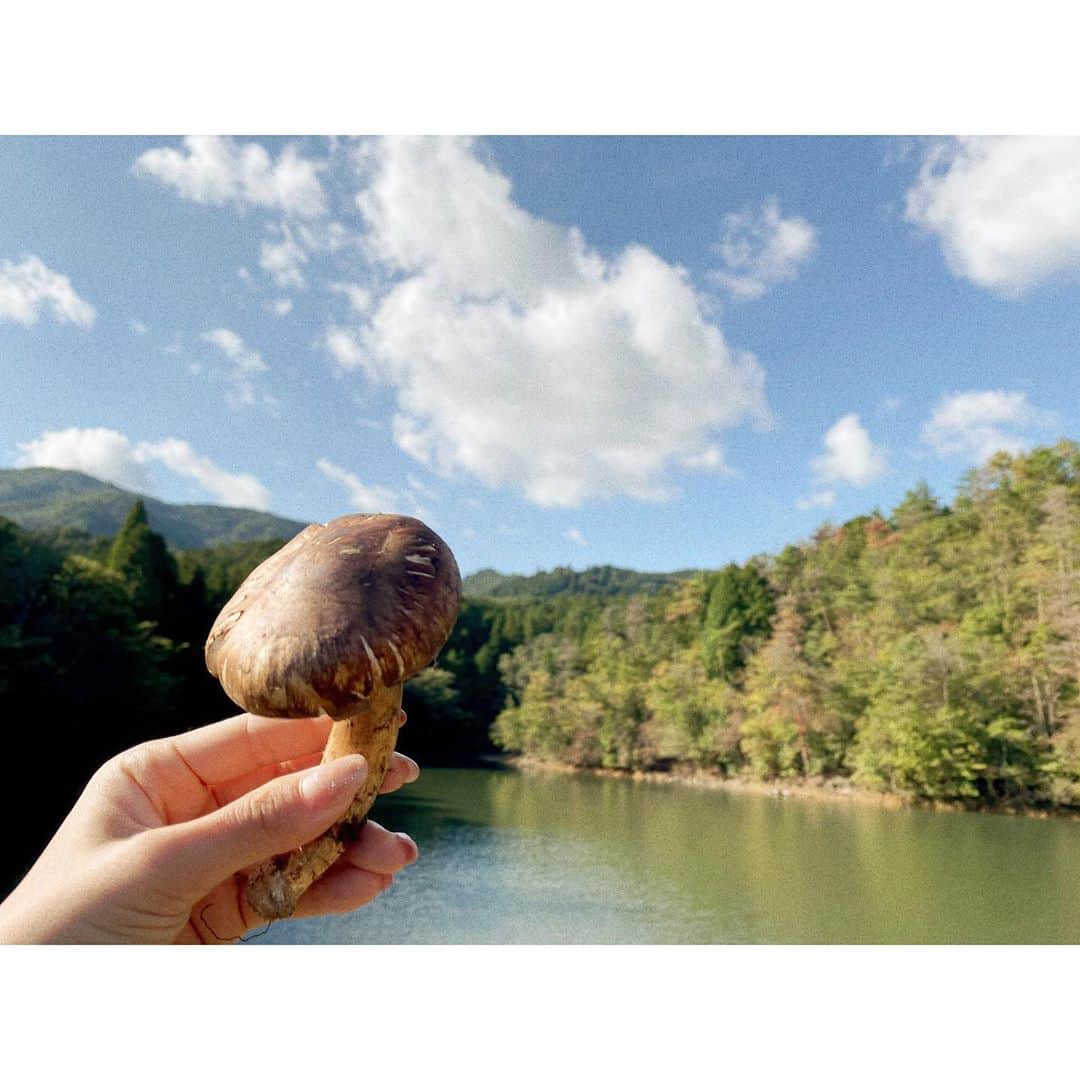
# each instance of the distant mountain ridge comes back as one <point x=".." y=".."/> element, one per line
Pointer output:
<point x="43" y="498"/>
<point x="562" y="581"/>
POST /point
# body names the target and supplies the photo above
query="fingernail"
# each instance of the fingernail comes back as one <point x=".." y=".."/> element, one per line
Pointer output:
<point x="411" y="844"/>
<point x="344" y="773"/>
<point x="414" y="769"/>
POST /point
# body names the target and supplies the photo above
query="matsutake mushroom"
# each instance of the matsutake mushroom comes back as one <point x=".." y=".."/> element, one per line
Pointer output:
<point x="335" y="622"/>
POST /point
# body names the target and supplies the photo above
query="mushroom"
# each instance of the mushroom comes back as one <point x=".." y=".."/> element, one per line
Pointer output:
<point x="335" y="622"/>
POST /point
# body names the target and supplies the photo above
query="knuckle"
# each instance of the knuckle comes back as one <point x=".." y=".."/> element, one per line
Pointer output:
<point x="263" y="809"/>
<point x="132" y="763"/>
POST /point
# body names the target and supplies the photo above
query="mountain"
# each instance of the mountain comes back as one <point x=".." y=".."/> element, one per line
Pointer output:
<point x="43" y="498"/>
<point x="562" y="581"/>
<point x="56" y="498"/>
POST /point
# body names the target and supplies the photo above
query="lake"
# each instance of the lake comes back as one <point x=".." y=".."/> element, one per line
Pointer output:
<point x="509" y="857"/>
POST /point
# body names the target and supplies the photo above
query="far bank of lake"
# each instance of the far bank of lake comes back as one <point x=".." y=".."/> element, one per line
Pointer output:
<point x="818" y="789"/>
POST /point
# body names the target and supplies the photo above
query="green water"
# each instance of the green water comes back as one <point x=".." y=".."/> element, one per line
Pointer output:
<point x="508" y="857"/>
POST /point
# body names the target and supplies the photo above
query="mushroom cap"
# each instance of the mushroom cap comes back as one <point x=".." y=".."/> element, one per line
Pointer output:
<point x="366" y="599"/>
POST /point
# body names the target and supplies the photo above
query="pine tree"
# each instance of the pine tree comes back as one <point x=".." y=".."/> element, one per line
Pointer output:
<point x="140" y="556"/>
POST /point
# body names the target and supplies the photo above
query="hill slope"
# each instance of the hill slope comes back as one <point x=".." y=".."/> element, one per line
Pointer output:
<point x="562" y="581"/>
<point x="43" y="498"/>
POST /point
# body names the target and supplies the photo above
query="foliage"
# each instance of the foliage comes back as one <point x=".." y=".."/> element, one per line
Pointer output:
<point x="562" y="581"/>
<point x="932" y="651"/>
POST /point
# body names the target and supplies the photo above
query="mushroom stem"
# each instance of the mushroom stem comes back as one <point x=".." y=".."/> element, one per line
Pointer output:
<point x="274" y="887"/>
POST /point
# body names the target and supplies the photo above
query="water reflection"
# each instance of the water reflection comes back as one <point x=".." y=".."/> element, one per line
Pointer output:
<point x="550" y="858"/>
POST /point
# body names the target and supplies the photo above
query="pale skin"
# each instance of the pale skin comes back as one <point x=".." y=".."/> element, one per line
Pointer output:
<point x="152" y="851"/>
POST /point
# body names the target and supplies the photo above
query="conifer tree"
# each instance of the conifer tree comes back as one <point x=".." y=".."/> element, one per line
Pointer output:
<point x="140" y="556"/>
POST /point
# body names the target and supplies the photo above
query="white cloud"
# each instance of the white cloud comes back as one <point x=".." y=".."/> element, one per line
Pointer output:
<point x="521" y="357"/>
<point x="711" y="459"/>
<point x="279" y="307"/>
<point x="760" y="249"/>
<point x="1006" y="210"/>
<point x="575" y="536"/>
<point x="231" y="489"/>
<point x="217" y="170"/>
<point x="360" y="298"/>
<point x="816" y="501"/>
<point x="244" y="364"/>
<point x="100" y="452"/>
<point x="978" y="423"/>
<point x="367" y="498"/>
<point x="29" y="286"/>
<point x="112" y="457"/>
<point x="850" y="455"/>
<point x="345" y="348"/>
<point x="285" y="259"/>
<point x="138" y="327"/>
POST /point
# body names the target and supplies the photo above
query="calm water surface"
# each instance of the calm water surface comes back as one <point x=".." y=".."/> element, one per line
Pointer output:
<point x="511" y="857"/>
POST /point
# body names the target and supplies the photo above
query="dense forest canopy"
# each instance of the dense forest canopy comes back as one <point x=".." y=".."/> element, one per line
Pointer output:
<point x="933" y="651"/>
<point x="562" y="581"/>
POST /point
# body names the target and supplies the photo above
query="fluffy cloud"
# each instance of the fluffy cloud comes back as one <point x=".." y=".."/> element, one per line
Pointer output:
<point x="111" y="456"/>
<point x="575" y="536"/>
<point x="29" y="286"/>
<point x="359" y="297"/>
<point x="217" y="171"/>
<point x="711" y="459"/>
<point x="367" y="498"/>
<point x="344" y="347"/>
<point x="521" y="357"/>
<point x="231" y="489"/>
<point x="760" y="249"/>
<point x="850" y="455"/>
<point x="819" y="500"/>
<point x="284" y="259"/>
<point x="1006" y="210"/>
<point x="244" y="364"/>
<point x="978" y="423"/>
<point x="99" y="452"/>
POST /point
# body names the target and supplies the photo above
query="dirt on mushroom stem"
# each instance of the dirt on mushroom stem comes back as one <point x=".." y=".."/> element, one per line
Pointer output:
<point x="274" y="887"/>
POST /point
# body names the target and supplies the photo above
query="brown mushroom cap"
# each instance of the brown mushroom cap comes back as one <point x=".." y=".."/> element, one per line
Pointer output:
<point x="342" y="607"/>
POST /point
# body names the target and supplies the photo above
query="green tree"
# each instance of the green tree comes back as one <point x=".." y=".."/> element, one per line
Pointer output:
<point x="738" y="613"/>
<point x="142" y="559"/>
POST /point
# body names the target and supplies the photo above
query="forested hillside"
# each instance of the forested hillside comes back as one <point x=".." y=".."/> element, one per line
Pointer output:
<point x="933" y="651"/>
<point x="562" y="581"/>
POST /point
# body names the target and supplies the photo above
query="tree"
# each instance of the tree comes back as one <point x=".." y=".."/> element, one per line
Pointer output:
<point x="141" y="558"/>
<point x="783" y="705"/>
<point x="739" y="612"/>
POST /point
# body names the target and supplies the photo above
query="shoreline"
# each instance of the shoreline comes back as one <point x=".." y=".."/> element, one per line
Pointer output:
<point x="818" y="789"/>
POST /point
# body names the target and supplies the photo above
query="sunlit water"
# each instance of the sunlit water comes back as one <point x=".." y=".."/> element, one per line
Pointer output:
<point x="510" y="857"/>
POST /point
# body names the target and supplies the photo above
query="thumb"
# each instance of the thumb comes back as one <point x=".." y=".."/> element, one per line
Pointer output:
<point x="280" y="816"/>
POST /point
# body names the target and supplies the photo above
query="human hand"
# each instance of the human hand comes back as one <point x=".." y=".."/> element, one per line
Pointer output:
<point x="151" y="851"/>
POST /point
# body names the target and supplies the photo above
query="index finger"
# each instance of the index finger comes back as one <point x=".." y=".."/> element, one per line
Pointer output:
<point x="230" y="748"/>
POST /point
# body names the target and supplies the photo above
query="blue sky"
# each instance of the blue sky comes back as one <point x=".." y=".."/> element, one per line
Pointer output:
<point x="653" y="352"/>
